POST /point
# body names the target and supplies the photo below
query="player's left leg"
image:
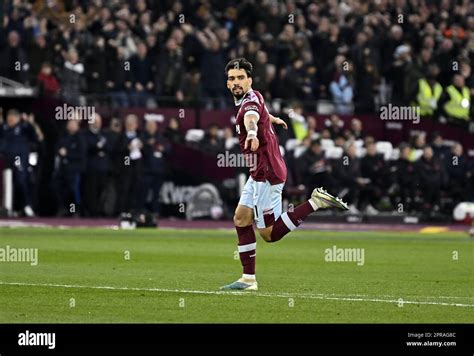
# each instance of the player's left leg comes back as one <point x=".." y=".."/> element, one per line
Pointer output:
<point x="291" y="219"/>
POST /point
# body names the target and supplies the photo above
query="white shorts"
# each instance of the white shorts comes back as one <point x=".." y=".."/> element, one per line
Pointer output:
<point x="264" y="199"/>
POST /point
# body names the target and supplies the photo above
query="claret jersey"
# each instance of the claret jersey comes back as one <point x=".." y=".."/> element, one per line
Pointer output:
<point x="269" y="164"/>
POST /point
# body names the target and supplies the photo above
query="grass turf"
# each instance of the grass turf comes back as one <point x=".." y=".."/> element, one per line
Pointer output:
<point x="296" y="284"/>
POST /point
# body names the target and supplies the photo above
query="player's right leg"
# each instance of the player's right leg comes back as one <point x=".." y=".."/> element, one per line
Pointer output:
<point x="247" y="243"/>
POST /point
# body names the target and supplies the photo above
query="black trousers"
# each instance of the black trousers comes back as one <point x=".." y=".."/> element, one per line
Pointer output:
<point x="94" y="188"/>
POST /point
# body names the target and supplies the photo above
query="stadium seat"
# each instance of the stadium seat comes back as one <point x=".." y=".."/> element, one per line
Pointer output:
<point x="292" y="143"/>
<point x="395" y="154"/>
<point x="194" y="135"/>
<point x="361" y="151"/>
<point x="333" y="152"/>
<point x="385" y="148"/>
<point x="326" y="143"/>
<point x="325" y="107"/>
<point x="231" y="142"/>
<point x="299" y="150"/>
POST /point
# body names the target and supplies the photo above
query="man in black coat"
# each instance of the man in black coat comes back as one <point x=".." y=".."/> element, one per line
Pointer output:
<point x="313" y="168"/>
<point x="430" y="177"/>
<point x="70" y="163"/>
<point x="155" y="148"/>
<point x="459" y="172"/>
<point x="348" y="177"/>
<point x="98" y="165"/>
<point x="16" y="137"/>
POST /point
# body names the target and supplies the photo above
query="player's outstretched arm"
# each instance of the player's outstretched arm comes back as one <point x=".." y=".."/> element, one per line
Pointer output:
<point x="250" y="122"/>
<point x="278" y="121"/>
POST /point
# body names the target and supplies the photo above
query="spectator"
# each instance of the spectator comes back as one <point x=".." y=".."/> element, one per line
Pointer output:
<point x="154" y="166"/>
<point x="459" y="175"/>
<point x="212" y="58"/>
<point x="142" y="75"/>
<point x="403" y="75"/>
<point x="456" y="101"/>
<point x="373" y="167"/>
<point x="429" y="92"/>
<point x="342" y="88"/>
<point x="212" y="143"/>
<point x="314" y="169"/>
<point x="17" y="135"/>
<point x="298" y="121"/>
<point x="418" y="143"/>
<point x="170" y="70"/>
<point x="335" y="126"/>
<point x="355" y="131"/>
<point x="98" y="166"/>
<point x="348" y="178"/>
<point x="437" y="144"/>
<point x="47" y="81"/>
<point x="430" y="177"/>
<point x="96" y="68"/>
<point x="14" y="60"/>
<point x="39" y="53"/>
<point x="132" y="166"/>
<point x="119" y="80"/>
<point x="72" y="79"/>
<point x="173" y="131"/>
<point x="116" y="143"/>
<point x="192" y="87"/>
<point x="69" y="165"/>
<point x="403" y="181"/>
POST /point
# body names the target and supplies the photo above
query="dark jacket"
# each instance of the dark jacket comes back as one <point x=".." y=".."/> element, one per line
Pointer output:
<point x="155" y="149"/>
<point x="15" y="142"/>
<point x="75" y="159"/>
<point x="98" y="151"/>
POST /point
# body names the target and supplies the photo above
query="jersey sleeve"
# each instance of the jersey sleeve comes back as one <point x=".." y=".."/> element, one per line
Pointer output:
<point x="250" y="106"/>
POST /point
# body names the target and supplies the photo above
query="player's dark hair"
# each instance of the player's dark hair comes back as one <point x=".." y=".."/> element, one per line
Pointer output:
<point x="239" y="63"/>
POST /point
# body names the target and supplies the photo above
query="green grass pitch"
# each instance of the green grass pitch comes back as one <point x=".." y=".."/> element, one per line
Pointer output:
<point x="173" y="276"/>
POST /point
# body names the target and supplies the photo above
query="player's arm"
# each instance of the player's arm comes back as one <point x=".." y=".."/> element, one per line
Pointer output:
<point x="278" y="121"/>
<point x="250" y="122"/>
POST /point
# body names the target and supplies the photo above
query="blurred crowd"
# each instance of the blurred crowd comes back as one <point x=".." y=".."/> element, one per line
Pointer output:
<point x="356" y="54"/>
<point x="97" y="171"/>
<point x="105" y="171"/>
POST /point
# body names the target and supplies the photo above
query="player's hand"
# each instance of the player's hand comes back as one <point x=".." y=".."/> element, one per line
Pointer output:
<point x="278" y="121"/>
<point x="253" y="142"/>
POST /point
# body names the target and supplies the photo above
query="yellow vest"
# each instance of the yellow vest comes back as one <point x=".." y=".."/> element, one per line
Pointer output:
<point x="459" y="103"/>
<point x="300" y="130"/>
<point x="427" y="97"/>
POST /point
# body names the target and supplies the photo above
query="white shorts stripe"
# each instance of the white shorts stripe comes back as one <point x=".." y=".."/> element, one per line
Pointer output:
<point x="246" y="248"/>
<point x="289" y="224"/>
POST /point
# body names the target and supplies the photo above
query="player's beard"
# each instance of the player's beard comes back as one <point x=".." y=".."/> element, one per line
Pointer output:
<point x="238" y="96"/>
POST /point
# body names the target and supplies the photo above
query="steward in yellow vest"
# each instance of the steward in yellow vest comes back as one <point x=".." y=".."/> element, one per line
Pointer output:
<point x="429" y="92"/>
<point x="458" y="101"/>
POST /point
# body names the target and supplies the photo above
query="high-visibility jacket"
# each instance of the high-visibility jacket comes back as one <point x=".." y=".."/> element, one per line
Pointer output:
<point x="458" y="104"/>
<point x="427" y="97"/>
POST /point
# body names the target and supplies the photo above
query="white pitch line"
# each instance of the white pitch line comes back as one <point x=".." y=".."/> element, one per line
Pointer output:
<point x="258" y="294"/>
